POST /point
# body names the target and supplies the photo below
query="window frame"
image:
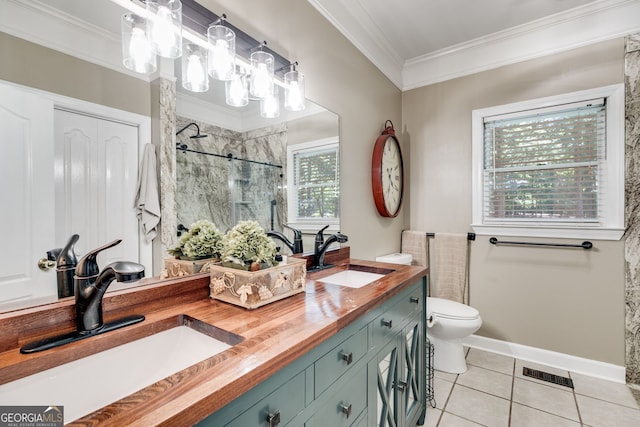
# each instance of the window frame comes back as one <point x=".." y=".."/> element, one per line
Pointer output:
<point x="292" y="212"/>
<point x="611" y="227"/>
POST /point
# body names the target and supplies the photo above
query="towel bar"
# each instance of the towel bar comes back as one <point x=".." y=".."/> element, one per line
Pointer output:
<point x="583" y="245"/>
<point x="470" y="236"/>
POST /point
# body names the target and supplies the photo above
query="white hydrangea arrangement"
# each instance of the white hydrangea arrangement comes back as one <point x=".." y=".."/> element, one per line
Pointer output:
<point x="203" y="240"/>
<point x="247" y="246"/>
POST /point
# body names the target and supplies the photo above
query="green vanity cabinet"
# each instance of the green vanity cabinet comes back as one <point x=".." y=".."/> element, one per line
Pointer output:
<point x="371" y="369"/>
<point x="398" y="368"/>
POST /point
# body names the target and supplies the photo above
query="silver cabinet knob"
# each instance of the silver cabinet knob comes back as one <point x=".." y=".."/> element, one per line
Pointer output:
<point x="347" y="357"/>
<point x="273" y="419"/>
<point x="346" y="409"/>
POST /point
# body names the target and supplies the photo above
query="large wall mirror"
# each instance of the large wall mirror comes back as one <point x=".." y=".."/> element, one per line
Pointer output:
<point x="240" y="170"/>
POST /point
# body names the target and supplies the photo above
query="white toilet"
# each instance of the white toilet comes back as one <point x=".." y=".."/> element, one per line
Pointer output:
<point x="448" y="322"/>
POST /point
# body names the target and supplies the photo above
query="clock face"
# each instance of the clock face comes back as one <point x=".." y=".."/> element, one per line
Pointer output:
<point x="387" y="175"/>
<point x="391" y="175"/>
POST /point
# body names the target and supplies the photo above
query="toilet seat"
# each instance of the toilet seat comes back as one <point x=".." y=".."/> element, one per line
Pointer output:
<point x="448" y="309"/>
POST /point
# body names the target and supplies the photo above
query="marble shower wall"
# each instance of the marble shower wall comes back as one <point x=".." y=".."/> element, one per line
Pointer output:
<point x="632" y="208"/>
<point x="226" y="191"/>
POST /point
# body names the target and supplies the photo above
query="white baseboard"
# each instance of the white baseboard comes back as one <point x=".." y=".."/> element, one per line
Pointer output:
<point x="593" y="368"/>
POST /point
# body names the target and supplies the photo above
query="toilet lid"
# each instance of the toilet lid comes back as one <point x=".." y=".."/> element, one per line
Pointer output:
<point x="450" y="309"/>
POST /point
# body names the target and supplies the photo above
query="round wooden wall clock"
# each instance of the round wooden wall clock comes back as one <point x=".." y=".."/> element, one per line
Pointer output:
<point x="387" y="179"/>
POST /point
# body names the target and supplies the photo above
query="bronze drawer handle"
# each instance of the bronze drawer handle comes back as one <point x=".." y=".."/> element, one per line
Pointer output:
<point x="347" y="357"/>
<point x="414" y="300"/>
<point x="387" y="323"/>
<point x="273" y="419"/>
<point x="402" y="385"/>
<point x="346" y="409"/>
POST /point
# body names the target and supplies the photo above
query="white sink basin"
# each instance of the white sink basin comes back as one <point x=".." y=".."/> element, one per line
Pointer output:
<point x="87" y="384"/>
<point x="352" y="278"/>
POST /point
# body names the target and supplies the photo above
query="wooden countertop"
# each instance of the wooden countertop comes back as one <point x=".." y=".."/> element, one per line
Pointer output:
<point x="274" y="336"/>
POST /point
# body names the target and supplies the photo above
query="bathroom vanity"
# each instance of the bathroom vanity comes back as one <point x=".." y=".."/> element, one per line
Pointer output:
<point x="333" y="355"/>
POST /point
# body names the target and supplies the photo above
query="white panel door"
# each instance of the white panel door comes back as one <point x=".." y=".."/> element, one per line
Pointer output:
<point x="96" y="178"/>
<point x="26" y="194"/>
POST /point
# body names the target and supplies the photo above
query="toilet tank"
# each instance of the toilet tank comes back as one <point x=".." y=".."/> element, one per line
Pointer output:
<point x="396" y="258"/>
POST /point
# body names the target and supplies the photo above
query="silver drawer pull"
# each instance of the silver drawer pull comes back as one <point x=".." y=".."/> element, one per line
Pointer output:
<point x="347" y="357"/>
<point x="414" y="300"/>
<point x="273" y="419"/>
<point x="346" y="409"/>
<point x="386" y="323"/>
<point x="402" y="385"/>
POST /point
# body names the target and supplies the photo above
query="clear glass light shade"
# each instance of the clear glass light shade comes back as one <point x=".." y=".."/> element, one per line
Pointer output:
<point x="137" y="54"/>
<point x="261" y="81"/>
<point x="164" y="26"/>
<point x="294" y="96"/>
<point x="270" y="104"/>
<point x="237" y="90"/>
<point x="194" y="68"/>
<point x="222" y="52"/>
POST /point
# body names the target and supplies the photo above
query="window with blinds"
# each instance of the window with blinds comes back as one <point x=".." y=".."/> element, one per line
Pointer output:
<point x="546" y="165"/>
<point x="552" y="167"/>
<point x="314" y="193"/>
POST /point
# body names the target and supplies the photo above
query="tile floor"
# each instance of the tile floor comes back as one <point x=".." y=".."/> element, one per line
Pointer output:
<point x="493" y="392"/>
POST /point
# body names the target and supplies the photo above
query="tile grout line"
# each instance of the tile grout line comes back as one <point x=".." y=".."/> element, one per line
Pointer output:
<point x="513" y="382"/>
<point x="575" y="399"/>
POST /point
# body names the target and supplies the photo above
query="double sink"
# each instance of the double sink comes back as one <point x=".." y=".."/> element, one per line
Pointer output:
<point x="90" y="383"/>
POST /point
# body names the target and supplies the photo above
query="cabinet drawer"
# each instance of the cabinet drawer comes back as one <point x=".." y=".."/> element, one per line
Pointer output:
<point x="405" y="306"/>
<point x="346" y="403"/>
<point x="284" y="403"/>
<point x="340" y="359"/>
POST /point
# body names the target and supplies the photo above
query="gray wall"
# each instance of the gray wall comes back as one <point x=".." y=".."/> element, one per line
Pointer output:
<point x="341" y="79"/>
<point x="35" y="66"/>
<point x="560" y="300"/>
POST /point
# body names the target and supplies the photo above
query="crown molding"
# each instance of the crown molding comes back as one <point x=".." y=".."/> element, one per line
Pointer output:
<point x="360" y="32"/>
<point x="592" y="23"/>
<point x="41" y="24"/>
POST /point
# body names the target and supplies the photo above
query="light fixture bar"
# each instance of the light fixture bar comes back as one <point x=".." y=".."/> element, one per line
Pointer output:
<point x="198" y="18"/>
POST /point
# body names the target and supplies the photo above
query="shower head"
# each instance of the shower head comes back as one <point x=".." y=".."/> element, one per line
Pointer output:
<point x="197" y="135"/>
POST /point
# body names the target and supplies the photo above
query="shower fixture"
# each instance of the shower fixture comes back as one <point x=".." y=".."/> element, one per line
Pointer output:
<point x="197" y="135"/>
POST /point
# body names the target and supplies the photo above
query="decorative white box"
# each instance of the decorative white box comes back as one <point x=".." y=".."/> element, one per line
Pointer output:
<point x="253" y="289"/>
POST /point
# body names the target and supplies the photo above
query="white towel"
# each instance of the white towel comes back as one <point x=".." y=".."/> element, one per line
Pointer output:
<point x="147" y="199"/>
<point x="415" y="243"/>
<point x="450" y="269"/>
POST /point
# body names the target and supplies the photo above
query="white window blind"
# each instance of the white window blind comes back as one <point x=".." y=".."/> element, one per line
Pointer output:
<point x="551" y="167"/>
<point x="316" y="188"/>
<point x="546" y="165"/>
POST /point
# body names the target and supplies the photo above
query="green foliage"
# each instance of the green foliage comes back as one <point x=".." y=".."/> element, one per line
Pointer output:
<point x="203" y="240"/>
<point x="247" y="242"/>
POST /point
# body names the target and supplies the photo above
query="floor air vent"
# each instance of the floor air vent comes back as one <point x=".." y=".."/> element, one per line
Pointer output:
<point x="545" y="376"/>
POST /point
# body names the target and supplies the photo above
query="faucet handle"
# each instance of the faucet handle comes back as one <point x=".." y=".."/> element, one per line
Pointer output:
<point x="88" y="265"/>
<point x="297" y="234"/>
<point x="67" y="257"/>
<point x="320" y="235"/>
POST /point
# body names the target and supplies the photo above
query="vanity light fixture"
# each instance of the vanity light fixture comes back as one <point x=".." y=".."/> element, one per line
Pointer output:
<point x="154" y="27"/>
<point x="294" y="96"/>
<point x="164" y="25"/>
<point x="222" y="50"/>
<point x="194" y="68"/>
<point x="261" y="80"/>
<point x="137" y="54"/>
